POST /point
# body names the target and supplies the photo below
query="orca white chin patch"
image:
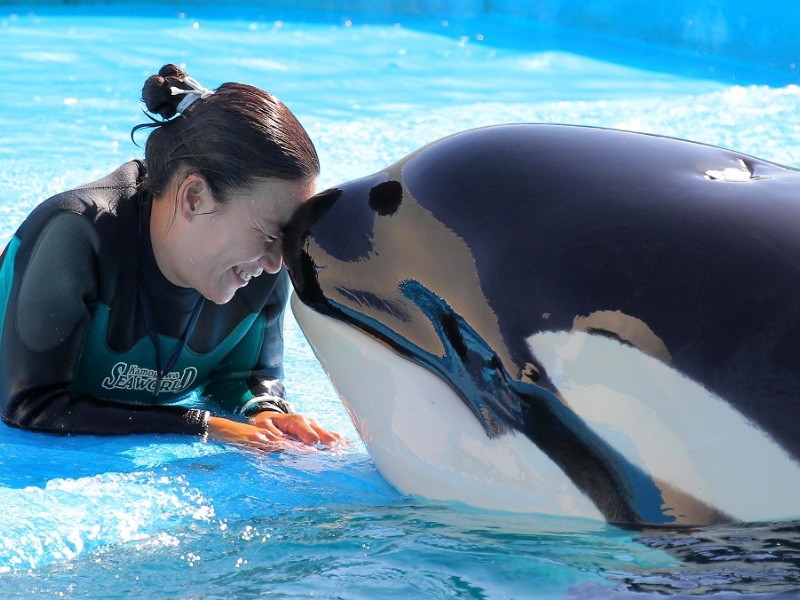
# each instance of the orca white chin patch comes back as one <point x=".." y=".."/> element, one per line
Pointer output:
<point x="671" y="426"/>
<point x="423" y="438"/>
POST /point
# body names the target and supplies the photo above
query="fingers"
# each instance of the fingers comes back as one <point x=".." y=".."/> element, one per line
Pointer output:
<point x="307" y="430"/>
<point x="325" y="437"/>
<point x="303" y="428"/>
<point x="265" y="445"/>
<point x="271" y="431"/>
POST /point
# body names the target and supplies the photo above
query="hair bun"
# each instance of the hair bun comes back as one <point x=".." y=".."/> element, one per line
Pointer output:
<point x="157" y="91"/>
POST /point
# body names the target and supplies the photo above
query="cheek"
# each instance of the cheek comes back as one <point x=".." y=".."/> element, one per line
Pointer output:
<point x="224" y="245"/>
<point x="241" y="248"/>
<point x="252" y="247"/>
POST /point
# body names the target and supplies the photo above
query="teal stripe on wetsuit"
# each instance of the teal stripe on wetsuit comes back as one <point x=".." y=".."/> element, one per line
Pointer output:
<point x="7" y="278"/>
<point x="126" y="375"/>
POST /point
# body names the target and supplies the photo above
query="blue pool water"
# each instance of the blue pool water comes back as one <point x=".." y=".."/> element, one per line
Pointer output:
<point x="167" y="517"/>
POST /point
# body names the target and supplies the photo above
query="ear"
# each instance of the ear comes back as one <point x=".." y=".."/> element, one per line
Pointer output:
<point x="194" y="197"/>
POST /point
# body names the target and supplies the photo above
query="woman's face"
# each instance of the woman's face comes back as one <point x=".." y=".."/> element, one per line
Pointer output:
<point x="218" y="248"/>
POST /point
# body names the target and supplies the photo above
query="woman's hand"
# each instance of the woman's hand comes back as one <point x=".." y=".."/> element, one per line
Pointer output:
<point x="295" y="426"/>
<point x="227" y="430"/>
<point x="270" y="431"/>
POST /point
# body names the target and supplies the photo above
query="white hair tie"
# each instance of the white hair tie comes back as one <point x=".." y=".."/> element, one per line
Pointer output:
<point x="197" y="91"/>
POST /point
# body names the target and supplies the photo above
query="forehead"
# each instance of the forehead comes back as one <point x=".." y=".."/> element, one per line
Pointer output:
<point x="271" y="202"/>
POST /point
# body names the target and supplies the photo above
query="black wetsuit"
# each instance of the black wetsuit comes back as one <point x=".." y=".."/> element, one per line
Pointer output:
<point x="89" y="322"/>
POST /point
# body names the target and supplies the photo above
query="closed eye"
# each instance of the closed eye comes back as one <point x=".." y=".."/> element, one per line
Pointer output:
<point x="268" y="237"/>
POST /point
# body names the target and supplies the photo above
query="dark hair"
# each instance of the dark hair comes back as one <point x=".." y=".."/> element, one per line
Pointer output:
<point x="232" y="137"/>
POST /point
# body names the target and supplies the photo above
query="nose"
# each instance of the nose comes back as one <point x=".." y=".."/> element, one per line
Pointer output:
<point x="272" y="260"/>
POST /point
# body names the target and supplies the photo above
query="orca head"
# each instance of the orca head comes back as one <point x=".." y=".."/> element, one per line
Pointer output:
<point x="427" y="394"/>
<point x="366" y="254"/>
<point x="369" y="256"/>
<point x="520" y="280"/>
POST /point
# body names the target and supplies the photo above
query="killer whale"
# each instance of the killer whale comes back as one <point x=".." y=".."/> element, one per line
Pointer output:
<point x="566" y="319"/>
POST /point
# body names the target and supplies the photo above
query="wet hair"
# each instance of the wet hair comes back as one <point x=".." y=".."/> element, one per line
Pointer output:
<point x="232" y="137"/>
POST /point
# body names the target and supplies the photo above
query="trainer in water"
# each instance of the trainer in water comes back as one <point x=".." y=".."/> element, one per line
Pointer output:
<point x="567" y="320"/>
<point x="164" y="280"/>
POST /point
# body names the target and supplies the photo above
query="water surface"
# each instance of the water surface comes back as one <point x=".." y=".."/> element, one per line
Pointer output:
<point x="165" y="517"/>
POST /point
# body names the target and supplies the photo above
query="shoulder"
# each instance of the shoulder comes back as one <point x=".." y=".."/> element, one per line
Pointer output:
<point x="103" y="208"/>
<point x="92" y="200"/>
<point x="105" y="195"/>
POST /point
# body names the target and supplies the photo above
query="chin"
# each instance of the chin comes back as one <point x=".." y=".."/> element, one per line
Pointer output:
<point x="224" y="299"/>
<point x="218" y="297"/>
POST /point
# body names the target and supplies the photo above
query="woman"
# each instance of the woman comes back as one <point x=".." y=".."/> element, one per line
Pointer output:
<point x="122" y="297"/>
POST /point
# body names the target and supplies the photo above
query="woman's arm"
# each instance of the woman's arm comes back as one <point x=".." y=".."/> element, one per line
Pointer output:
<point x="47" y="287"/>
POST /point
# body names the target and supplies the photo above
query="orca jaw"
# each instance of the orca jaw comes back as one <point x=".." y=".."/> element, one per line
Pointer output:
<point x="423" y="437"/>
<point x="502" y="406"/>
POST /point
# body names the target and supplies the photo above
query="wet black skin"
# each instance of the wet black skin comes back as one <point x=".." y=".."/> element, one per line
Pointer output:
<point x="562" y="222"/>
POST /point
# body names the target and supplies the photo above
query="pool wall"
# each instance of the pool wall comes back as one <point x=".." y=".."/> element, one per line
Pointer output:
<point x="761" y="32"/>
<point x="756" y="31"/>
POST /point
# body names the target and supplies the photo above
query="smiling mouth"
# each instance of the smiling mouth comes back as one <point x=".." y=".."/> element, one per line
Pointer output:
<point x="243" y="275"/>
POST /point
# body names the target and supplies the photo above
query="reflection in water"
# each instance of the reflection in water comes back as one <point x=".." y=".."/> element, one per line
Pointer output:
<point x="748" y="558"/>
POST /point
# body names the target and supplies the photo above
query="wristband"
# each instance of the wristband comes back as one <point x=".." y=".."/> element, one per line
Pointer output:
<point x="257" y="405"/>
<point x="198" y="419"/>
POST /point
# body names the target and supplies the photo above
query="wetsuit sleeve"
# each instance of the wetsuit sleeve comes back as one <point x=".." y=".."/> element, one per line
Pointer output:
<point x="248" y="380"/>
<point x="49" y="286"/>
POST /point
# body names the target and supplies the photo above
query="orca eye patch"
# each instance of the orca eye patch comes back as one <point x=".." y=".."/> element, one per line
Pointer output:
<point x="385" y="198"/>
